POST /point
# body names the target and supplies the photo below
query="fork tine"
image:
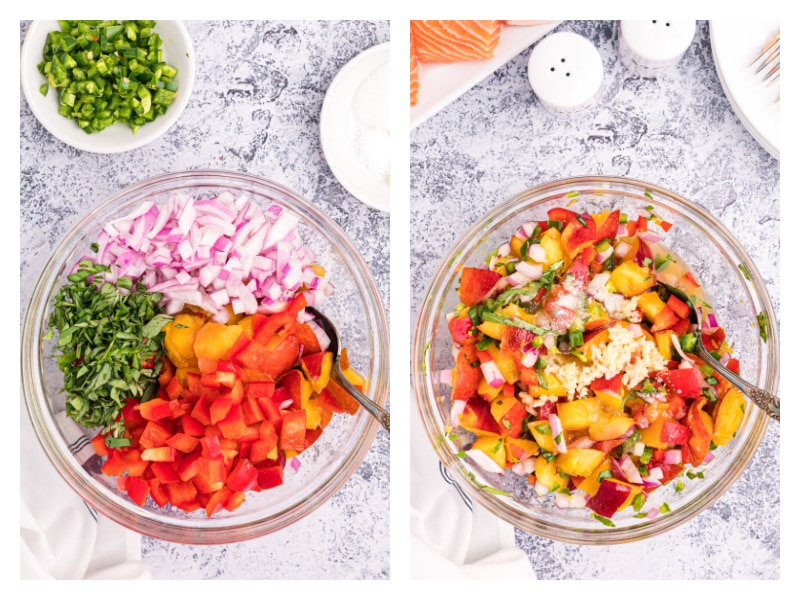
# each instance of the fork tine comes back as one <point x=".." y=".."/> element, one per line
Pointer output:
<point x="773" y="55"/>
<point x="767" y="47"/>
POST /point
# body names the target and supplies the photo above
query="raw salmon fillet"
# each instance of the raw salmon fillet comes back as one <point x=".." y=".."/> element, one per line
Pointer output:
<point x="453" y="41"/>
<point x="414" y="75"/>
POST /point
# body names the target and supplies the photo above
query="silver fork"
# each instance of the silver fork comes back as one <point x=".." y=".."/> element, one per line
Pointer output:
<point x="769" y="58"/>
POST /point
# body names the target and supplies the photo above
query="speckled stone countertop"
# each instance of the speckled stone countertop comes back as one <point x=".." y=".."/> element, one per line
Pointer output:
<point x="255" y="108"/>
<point x="678" y="131"/>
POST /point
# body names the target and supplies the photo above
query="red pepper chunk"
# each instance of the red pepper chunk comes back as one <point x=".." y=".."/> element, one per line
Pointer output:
<point x="293" y="431"/>
<point x="243" y="476"/>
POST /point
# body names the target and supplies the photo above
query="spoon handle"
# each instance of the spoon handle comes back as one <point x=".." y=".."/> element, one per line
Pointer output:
<point x="380" y="413"/>
<point x="767" y="402"/>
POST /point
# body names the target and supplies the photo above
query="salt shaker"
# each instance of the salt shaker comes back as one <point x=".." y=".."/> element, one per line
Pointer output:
<point x="566" y="73"/>
<point x="651" y="47"/>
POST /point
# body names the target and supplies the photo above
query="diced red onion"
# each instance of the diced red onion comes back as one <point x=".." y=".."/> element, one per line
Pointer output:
<point x="532" y="272"/>
<point x="540" y="488"/>
<point x="516" y="279"/>
<point x="526" y="230"/>
<point x="504" y="249"/>
<point x="649" y="237"/>
<point x="569" y="301"/>
<point x="677" y="345"/>
<point x="673" y="457"/>
<point x="627" y="469"/>
<point x="529" y="358"/>
<point x="456" y="411"/>
<point x="653" y="513"/>
<point x="294" y="463"/>
<point x="558" y="433"/>
<point x="653" y="477"/>
<point x="575" y="499"/>
<point x="221" y="243"/>
<point x="709" y="457"/>
<point x="582" y="442"/>
<point x="491" y="373"/>
<point x="537" y="253"/>
<point x="621" y="249"/>
<point x="605" y="254"/>
<point x="446" y="376"/>
<point x="524" y="467"/>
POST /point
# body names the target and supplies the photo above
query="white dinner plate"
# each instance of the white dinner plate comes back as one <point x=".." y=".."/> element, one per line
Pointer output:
<point x="177" y="51"/>
<point x="441" y="83"/>
<point x="734" y="45"/>
<point x="355" y="144"/>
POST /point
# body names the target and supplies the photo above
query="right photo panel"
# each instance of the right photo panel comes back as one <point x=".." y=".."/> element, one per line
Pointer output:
<point x="595" y="305"/>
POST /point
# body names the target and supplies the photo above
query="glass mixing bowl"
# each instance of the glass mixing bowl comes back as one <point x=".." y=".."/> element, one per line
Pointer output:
<point x="717" y="260"/>
<point x="354" y="306"/>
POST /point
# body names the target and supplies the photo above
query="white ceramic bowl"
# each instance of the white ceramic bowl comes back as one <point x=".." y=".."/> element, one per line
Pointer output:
<point x="178" y="52"/>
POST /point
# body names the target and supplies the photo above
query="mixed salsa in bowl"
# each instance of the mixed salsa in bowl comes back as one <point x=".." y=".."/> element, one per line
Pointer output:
<point x="554" y="360"/>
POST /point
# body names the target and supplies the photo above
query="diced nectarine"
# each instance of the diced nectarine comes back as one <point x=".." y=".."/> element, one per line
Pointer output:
<point x="493" y="447"/>
<point x="610" y="428"/>
<point x="580" y="461"/>
<point x="547" y="474"/>
<point x="650" y="304"/>
<point x="476" y="284"/>
<point x="579" y="414"/>
<point x="630" y="279"/>
<point x="542" y="434"/>
<point x="728" y="416"/>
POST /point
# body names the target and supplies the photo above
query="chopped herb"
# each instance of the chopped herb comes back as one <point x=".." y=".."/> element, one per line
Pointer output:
<point x="543" y="429"/>
<point x="484" y="343"/>
<point x="762" y="325"/>
<point x="745" y="272"/>
<point x="638" y="501"/>
<point x="661" y="262"/>
<point x="541" y="380"/>
<point x="572" y="194"/>
<point x="679" y="485"/>
<point x="647" y="455"/>
<point x="664" y="508"/>
<point x="605" y="474"/>
<point x="603" y="520"/>
<point x="581" y="220"/>
<point x="114" y="336"/>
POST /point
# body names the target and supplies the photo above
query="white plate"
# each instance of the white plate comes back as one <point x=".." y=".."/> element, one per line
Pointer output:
<point x="441" y="83"/>
<point x="341" y="124"/>
<point x="177" y="51"/>
<point x="734" y="45"/>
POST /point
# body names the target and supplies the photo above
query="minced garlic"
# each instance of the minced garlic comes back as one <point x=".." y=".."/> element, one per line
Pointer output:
<point x="626" y="351"/>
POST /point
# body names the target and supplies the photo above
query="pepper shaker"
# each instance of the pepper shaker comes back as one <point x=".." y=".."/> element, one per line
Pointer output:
<point x="651" y="47"/>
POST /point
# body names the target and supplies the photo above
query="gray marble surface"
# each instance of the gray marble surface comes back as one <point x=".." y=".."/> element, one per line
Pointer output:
<point x="255" y="108"/>
<point x="678" y="131"/>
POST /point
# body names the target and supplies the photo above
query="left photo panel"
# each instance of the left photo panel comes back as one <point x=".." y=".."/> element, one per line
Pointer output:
<point x="204" y="300"/>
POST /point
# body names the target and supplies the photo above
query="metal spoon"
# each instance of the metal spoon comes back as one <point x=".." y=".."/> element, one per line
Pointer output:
<point x="381" y="414"/>
<point x="767" y="402"/>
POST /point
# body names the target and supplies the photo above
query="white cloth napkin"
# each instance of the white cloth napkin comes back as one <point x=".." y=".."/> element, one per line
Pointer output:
<point x="61" y="537"/>
<point x="453" y="537"/>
